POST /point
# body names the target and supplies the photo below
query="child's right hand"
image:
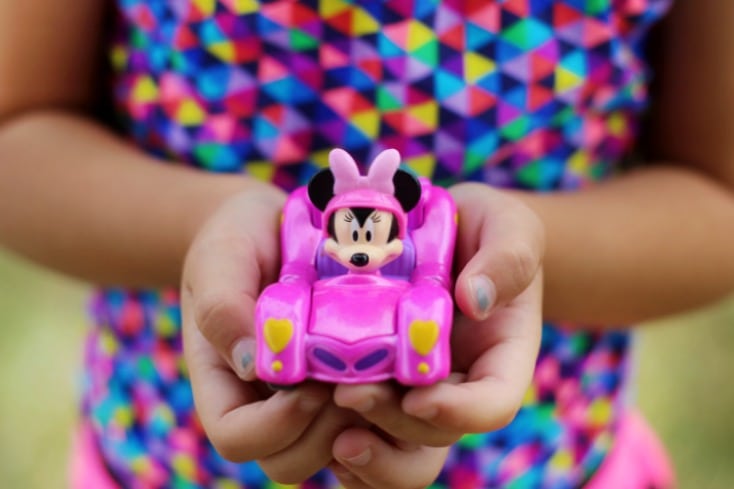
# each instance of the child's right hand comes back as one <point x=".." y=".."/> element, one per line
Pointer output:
<point x="235" y="253"/>
<point x="291" y="434"/>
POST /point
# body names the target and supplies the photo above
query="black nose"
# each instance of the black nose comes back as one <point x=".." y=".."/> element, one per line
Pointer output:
<point x="359" y="259"/>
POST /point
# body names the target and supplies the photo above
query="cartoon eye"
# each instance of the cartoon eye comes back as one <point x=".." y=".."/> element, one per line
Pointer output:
<point x="369" y="230"/>
<point x="354" y="228"/>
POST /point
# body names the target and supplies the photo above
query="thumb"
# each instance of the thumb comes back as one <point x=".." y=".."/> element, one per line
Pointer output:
<point x="500" y="246"/>
<point x="219" y="291"/>
<point x="223" y="273"/>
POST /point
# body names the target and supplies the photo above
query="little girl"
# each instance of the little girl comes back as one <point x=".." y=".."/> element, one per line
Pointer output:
<point x="534" y="103"/>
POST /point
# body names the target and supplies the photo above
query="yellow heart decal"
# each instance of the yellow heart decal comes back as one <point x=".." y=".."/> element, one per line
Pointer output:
<point x="423" y="336"/>
<point x="278" y="332"/>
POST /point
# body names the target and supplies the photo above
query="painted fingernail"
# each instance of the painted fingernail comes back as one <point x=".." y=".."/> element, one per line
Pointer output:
<point x="243" y="359"/>
<point x="484" y="293"/>
<point x="360" y="460"/>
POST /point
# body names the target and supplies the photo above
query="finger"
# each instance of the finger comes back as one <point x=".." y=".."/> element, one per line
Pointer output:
<point x="242" y="427"/>
<point x="312" y="451"/>
<point x="501" y="352"/>
<point x="223" y="275"/>
<point x="381" y="405"/>
<point x="346" y="478"/>
<point x="240" y="424"/>
<point x="223" y="289"/>
<point x="500" y="248"/>
<point x="376" y="463"/>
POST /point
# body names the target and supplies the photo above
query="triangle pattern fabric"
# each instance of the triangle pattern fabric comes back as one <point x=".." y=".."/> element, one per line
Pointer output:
<point x="368" y="75"/>
<point x="531" y="94"/>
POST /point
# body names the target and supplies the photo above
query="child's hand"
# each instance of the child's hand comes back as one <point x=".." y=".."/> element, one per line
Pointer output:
<point x="366" y="460"/>
<point x="289" y="433"/>
<point x="500" y="247"/>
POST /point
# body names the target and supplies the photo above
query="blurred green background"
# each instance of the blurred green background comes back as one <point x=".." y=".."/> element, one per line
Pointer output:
<point x="685" y="384"/>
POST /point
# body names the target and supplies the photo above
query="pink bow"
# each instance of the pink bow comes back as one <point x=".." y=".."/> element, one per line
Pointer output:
<point x="379" y="176"/>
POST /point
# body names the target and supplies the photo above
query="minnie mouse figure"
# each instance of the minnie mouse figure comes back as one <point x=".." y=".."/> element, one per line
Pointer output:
<point x="364" y="217"/>
<point x="363" y="294"/>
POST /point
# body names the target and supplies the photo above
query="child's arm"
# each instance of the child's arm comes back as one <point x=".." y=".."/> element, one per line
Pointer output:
<point x="79" y="200"/>
<point x="659" y="239"/>
<point x="654" y="242"/>
<point x="74" y="196"/>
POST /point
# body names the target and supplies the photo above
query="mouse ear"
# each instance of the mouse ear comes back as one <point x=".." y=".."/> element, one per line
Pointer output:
<point x="321" y="189"/>
<point x="407" y="189"/>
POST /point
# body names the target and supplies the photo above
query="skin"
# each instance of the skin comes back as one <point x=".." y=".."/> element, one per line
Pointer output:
<point x="629" y="252"/>
<point x="377" y="247"/>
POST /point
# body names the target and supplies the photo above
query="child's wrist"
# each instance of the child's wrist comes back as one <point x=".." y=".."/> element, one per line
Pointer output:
<point x="213" y="192"/>
<point x="217" y="189"/>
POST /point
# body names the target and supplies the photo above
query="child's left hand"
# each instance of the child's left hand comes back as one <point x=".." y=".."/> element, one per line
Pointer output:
<point x="495" y="341"/>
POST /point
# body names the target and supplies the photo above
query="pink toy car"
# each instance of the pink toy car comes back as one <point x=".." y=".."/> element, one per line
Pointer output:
<point x="364" y="289"/>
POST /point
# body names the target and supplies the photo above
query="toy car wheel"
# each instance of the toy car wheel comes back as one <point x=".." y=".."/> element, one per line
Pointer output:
<point x="281" y="387"/>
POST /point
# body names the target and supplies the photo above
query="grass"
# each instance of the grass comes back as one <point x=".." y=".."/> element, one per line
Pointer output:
<point x="41" y="331"/>
<point x="684" y="385"/>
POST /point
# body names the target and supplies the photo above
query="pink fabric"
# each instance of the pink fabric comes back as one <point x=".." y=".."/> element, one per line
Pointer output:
<point x="375" y="190"/>
<point x="87" y="470"/>
<point x="637" y="461"/>
<point x="367" y="199"/>
<point x="379" y="176"/>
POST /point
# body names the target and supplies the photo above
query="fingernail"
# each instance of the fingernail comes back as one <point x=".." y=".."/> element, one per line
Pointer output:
<point x="310" y="404"/>
<point x="360" y="460"/>
<point x="243" y="359"/>
<point x="341" y="472"/>
<point x="484" y="293"/>
<point x="427" y="413"/>
<point x="366" y="405"/>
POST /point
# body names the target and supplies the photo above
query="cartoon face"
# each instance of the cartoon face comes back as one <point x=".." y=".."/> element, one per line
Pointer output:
<point x="363" y="239"/>
<point x="364" y="217"/>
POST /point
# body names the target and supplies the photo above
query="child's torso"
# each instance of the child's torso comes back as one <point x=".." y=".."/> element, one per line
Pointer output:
<point x="536" y="94"/>
<point x="539" y="94"/>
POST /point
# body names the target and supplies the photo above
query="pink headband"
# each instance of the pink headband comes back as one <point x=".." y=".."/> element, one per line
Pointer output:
<point x="374" y="190"/>
<point x="379" y="176"/>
